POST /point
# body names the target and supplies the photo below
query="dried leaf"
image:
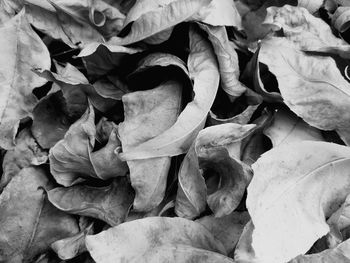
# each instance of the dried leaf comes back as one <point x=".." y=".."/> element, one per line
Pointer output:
<point x="324" y="105"/>
<point x="29" y="223"/>
<point x="100" y="58"/>
<point x="160" y="239"/>
<point x="26" y="153"/>
<point x="177" y="139"/>
<point x="303" y="29"/>
<point x="152" y="17"/>
<point x="339" y="254"/>
<point x="341" y="18"/>
<point x="77" y="90"/>
<point x="16" y="79"/>
<point x="110" y="204"/>
<point x="148" y="114"/>
<point x="288" y="128"/>
<point x="227" y="59"/>
<point x="71" y="247"/>
<point x="227" y="229"/>
<point x="191" y="197"/>
<point x="290" y="198"/>
<point x="72" y="158"/>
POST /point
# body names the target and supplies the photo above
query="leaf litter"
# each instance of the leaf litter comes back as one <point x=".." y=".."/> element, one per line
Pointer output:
<point x="175" y="131"/>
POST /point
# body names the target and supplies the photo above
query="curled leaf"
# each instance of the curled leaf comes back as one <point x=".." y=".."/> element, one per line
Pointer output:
<point x="325" y="105"/>
<point x="148" y="114"/>
<point x="177" y="139"/>
<point x="110" y="204"/>
<point x="341" y="18"/>
<point x="227" y="60"/>
<point x="72" y="157"/>
<point x="152" y="17"/>
<point x="294" y="189"/>
<point x="71" y="247"/>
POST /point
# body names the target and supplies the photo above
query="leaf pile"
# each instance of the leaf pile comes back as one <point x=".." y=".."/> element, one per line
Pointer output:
<point x="175" y="131"/>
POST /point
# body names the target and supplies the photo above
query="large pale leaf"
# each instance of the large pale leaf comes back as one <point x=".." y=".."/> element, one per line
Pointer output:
<point x="294" y="189"/>
<point x="110" y="204"/>
<point x="288" y="128"/>
<point x="151" y="17"/>
<point x="177" y="139"/>
<point x="29" y="223"/>
<point x="26" y="153"/>
<point x="227" y="229"/>
<point x="72" y="157"/>
<point x="159" y="239"/>
<point x="148" y="114"/>
<point x="311" y="86"/>
<point x="21" y="49"/>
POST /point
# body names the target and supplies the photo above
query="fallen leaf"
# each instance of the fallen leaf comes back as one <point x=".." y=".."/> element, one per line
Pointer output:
<point x="26" y="153"/>
<point x="152" y="17"/>
<point x="177" y="139"/>
<point x="227" y="60"/>
<point x="101" y="58"/>
<point x="302" y="28"/>
<point x="29" y="223"/>
<point x="339" y="254"/>
<point x="309" y="177"/>
<point x="159" y="239"/>
<point x="340" y="18"/>
<point x="73" y="158"/>
<point x="191" y="197"/>
<point x="17" y="80"/>
<point x="288" y="128"/>
<point x="324" y="105"/>
<point x="148" y="114"/>
<point x="227" y="229"/>
<point x="77" y="90"/>
<point x="110" y="204"/>
<point x="71" y="247"/>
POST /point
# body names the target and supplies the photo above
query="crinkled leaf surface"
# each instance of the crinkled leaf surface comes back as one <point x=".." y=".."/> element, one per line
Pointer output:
<point x="227" y="59"/>
<point x="177" y="139"/>
<point x="294" y="189"/>
<point x="311" y="86"/>
<point x="28" y="222"/>
<point x="72" y="157"/>
<point x="306" y="31"/>
<point x="159" y="239"/>
<point x="110" y="204"/>
<point x="26" y="153"/>
<point x="148" y="114"/>
<point x="288" y="128"/>
<point x="21" y="49"/>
